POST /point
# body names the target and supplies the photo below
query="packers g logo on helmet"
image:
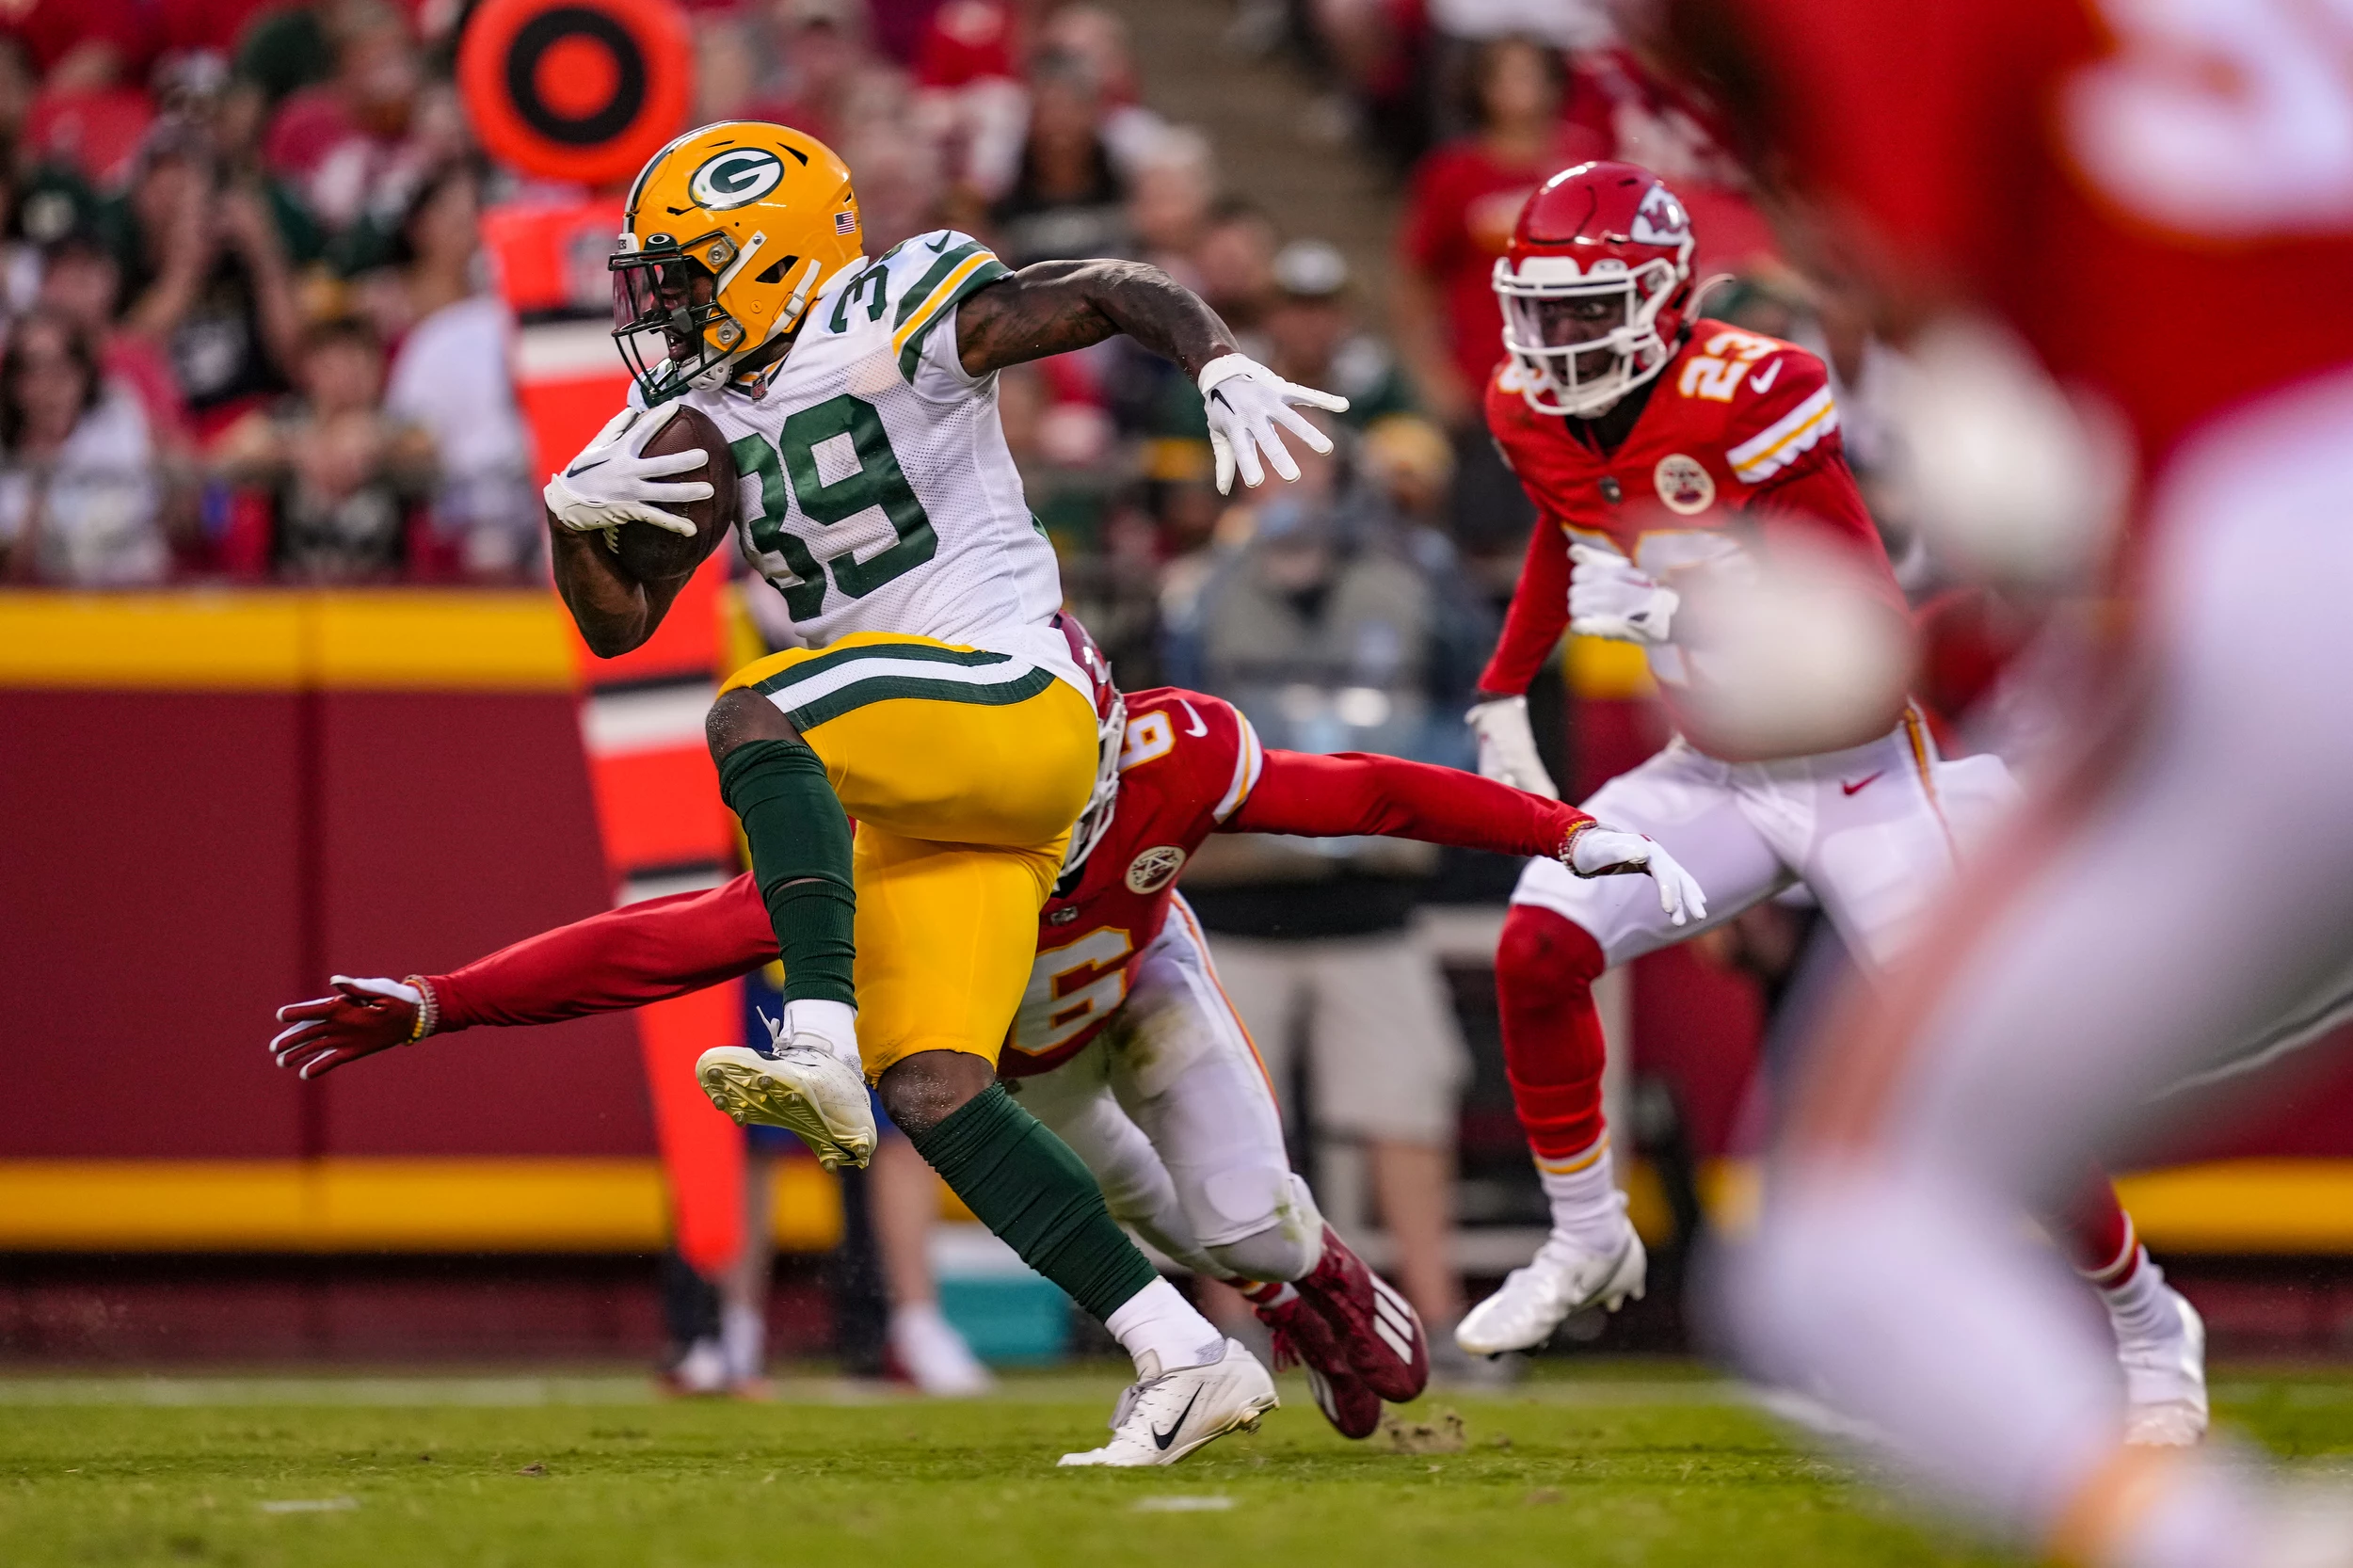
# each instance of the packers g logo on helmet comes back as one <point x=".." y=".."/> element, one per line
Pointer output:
<point x="734" y="179"/>
<point x="730" y="232"/>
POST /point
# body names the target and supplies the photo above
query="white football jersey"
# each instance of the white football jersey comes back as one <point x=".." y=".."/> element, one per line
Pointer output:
<point x="878" y="494"/>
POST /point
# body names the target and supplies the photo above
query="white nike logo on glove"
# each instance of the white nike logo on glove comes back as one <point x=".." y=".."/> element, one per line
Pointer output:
<point x="1763" y="380"/>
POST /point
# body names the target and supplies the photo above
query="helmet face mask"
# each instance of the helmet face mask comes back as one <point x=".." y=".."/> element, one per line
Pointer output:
<point x="1583" y="342"/>
<point x="1111" y="739"/>
<point x="666" y="318"/>
<point x="1593" y="287"/>
<point x="729" y="232"/>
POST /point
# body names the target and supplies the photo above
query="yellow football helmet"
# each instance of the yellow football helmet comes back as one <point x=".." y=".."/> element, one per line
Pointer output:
<point x="729" y="232"/>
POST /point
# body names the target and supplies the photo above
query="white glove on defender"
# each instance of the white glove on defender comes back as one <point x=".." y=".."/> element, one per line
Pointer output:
<point x="1608" y="596"/>
<point x="1247" y="403"/>
<point x="1603" y="851"/>
<point x="612" y="481"/>
<point x="1507" y="747"/>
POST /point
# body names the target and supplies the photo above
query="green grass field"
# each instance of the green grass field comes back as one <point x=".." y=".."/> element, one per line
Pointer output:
<point x="1612" y="1464"/>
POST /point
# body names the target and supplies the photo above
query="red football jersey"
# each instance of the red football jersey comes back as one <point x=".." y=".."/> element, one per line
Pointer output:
<point x="1740" y="432"/>
<point x="1192" y="765"/>
<point x="1189" y="762"/>
<point x="2159" y="197"/>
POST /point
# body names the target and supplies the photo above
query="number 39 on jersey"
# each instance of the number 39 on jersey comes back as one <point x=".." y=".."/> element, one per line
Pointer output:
<point x="878" y="491"/>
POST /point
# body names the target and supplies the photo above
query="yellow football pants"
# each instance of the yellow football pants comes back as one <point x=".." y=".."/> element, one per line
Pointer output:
<point x="964" y="771"/>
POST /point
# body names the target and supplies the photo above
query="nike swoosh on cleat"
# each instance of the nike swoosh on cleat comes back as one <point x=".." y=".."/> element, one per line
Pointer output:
<point x="1163" y="1439"/>
<point x="1763" y="380"/>
<point x="1860" y="783"/>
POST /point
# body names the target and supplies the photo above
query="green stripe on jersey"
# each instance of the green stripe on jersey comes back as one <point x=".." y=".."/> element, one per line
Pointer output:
<point x="892" y="688"/>
<point x="984" y="275"/>
<point x="921" y="653"/>
<point x="913" y="300"/>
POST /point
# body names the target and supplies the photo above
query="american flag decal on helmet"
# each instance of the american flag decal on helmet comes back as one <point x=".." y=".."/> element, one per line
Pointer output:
<point x="845" y="222"/>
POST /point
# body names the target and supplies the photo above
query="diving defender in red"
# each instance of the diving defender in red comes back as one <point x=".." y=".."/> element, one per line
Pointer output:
<point x="1125" y="1044"/>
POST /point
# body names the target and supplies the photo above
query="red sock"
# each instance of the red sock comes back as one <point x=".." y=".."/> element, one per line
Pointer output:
<point x="1546" y="966"/>
<point x="2098" y="1237"/>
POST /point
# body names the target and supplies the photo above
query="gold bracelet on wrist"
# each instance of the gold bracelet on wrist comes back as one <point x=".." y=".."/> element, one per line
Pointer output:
<point x="429" y="1009"/>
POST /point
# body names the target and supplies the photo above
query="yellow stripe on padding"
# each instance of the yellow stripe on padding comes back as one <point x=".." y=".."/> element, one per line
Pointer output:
<point x="191" y="639"/>
<point x="2244" y="1206"/>
<point x="441" y="640"/>
<point x="2225" y="1206"/>
<point x="418" y="639"/>
<point x="330" y="1206"/>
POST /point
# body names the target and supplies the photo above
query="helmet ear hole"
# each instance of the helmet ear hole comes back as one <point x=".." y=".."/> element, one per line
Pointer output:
<point x="776" y="274"/>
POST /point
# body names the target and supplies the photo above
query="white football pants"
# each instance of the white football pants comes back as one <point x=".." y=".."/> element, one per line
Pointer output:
<point x="1171" y="1109"/>
<point x="1873" y="832"/>
<point x="2168" y="901"/>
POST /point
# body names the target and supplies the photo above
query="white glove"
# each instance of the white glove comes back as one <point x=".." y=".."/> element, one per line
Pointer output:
<point x="1507" y="747"/>
<point x="1246" y="403"/>
<point x="612" y="482"/>
<point x="1610" y="598"/>
<point x="1602" y="851"/>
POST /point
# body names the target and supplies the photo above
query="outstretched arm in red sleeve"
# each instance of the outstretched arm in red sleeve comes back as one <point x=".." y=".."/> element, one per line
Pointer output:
<point x="647" y="952"/>
<point x="1352" y="792"/>
<point x="626" y="957"/>
<point x="1539" y="614"/>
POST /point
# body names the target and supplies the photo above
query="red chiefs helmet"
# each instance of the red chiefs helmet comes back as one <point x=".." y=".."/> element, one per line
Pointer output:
<point x="1594" y="287"/>
<point x="1111" y="739"/>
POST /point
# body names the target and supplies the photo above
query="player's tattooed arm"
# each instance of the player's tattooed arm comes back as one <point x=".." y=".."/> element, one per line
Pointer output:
<point x="613" y="611"/>
<point x="1054" y="306"/>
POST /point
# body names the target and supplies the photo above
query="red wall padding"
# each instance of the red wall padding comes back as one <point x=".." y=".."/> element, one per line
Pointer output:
<point x="175" y="865"/>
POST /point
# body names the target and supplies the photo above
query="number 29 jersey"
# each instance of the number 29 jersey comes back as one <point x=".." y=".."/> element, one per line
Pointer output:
<point x="878" y="493"/>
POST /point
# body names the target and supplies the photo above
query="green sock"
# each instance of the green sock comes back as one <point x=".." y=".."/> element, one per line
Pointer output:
<point x="1025" y="1184"/>
<point x="800" y="839"/>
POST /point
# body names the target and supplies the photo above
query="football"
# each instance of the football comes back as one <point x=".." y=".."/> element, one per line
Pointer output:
<point x="652" y="554"/>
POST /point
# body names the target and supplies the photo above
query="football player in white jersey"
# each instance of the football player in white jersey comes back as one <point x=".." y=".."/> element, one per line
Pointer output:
<point x="933" y="701"/>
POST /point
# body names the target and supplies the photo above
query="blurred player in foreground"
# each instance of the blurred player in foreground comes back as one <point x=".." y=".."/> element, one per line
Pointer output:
<point x="1661" y="450"/>
<point x="1125" y="1044"/>
<point x="932" y="698"/>
<point x="2084" y="174"/>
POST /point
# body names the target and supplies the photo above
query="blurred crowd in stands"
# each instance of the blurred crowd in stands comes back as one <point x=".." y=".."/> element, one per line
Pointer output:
<point x="253" y="333"/>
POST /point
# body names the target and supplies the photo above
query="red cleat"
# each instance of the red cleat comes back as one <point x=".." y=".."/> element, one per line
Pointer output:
<point x="1302" y="1337"/>
<point x="1372" y="1323"/>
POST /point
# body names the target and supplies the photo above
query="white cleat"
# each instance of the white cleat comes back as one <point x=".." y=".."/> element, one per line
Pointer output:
<point x="1563" y="1277"/>
<point x="1165" y="1415"/>
<point x="2165" y="1380"/>
<point x="934" y="1356"/>
<point x="805" y="1088"/>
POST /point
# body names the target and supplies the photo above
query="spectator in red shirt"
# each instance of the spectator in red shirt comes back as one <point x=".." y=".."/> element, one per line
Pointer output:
<point x="1459" y="212"/>
<point x="80" y="45"/>
<point x="1463" y="198"/>
<point x="347" y="142"/>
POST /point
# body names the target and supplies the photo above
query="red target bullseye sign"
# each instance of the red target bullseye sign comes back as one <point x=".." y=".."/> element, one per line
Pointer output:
<point x="576" y="90"/>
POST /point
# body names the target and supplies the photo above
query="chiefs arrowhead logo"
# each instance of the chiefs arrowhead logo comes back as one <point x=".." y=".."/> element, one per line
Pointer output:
<point x="1660" y="220"/>
<point x="1683" y="484"/>
<point x="1154" y="869"/>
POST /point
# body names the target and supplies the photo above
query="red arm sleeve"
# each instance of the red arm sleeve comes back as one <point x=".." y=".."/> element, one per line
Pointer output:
<point x="1539" y="614"/>
<point x="1351" y="792"/>
<point x="1819" y="502"/>
<point x="642" y="952"/>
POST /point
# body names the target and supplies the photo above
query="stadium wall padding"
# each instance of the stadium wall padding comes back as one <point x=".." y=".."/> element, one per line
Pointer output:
<point x="214" y="801"/>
